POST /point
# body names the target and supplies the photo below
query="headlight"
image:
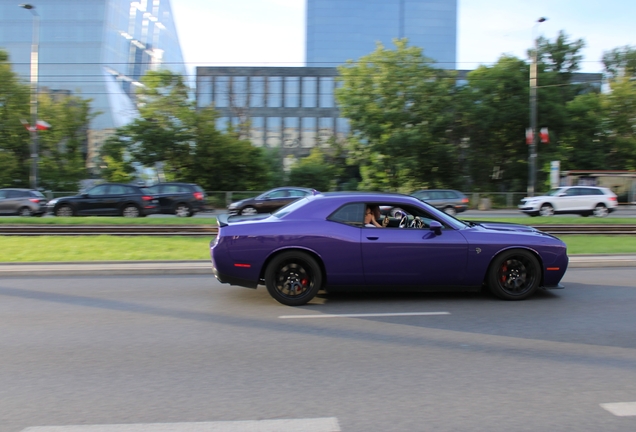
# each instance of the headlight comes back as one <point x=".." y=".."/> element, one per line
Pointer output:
<point x="52" y="202"/>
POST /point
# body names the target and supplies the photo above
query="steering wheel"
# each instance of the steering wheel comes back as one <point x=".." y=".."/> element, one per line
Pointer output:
<point x="404" y="222"/>
<point x="417" y="223"/>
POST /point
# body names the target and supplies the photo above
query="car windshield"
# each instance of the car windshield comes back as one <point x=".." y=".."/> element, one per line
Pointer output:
<point x="281" y="212"/>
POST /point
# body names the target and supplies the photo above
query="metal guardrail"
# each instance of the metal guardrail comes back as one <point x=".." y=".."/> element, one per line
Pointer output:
<point x="212" y="230"/>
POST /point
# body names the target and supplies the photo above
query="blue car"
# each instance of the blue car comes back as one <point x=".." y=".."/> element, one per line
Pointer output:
<point x="322" y="242"/>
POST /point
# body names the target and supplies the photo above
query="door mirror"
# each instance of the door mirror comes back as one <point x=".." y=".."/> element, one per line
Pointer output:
<point x="436" y="227"/>
<point x="84" y="195"/>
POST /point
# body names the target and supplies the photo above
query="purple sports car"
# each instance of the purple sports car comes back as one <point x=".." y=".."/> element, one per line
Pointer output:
<point x="322" y="242"/>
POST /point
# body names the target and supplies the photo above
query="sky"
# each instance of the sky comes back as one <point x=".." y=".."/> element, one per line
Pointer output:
<point x="272" y="32"/>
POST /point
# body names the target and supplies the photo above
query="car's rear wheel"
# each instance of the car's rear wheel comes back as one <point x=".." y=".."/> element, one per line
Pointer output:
<point x="249" y="210"/>
<point x="514" y="275"/>
<point x="131" y="211"/>
<point x="450" y="211"/>
<point x="293" y="278"/>
<point x="546" y="210"/>
<point x="25" y="211"/>
<point x="64" y="211"/>
<point x="182" y="210"/>
<point x="600" y="210"/>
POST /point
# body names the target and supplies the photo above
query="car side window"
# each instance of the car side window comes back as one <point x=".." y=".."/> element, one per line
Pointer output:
<point x="14" y="194"/>
<point x="350" y="214"/>
<point x="276" y="194"/>
<point x="297" y="193"/>
<point x="3" y="194"/>
<point x="572" y="192"/>
<point x="116" y="190"/>
<point x="98" y="190"/>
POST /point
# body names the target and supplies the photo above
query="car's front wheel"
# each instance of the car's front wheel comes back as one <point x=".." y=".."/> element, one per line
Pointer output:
<point x="293" y="278"/>
<point x="600" y="210"/>
<point x="64" y="211"/>
<point x="546" y="210"/>
<point x="249" y="210"/>
<point x="130" y="210"/>
<point x="514" y="275"/>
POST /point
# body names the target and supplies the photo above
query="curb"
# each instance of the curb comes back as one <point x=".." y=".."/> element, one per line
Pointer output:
<point x="203" y="267"/>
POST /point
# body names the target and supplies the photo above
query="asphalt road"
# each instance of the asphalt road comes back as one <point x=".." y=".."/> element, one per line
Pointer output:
<point x="199" y="355"/>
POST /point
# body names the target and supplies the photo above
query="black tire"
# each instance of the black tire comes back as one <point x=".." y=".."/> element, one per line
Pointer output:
<point x="25" y="212"/>
<point x="182" y="210"/>
<point x="249" y="210"/>
<point x="64" y="210"/>
<point x="130" y="210"/>
<point x="600" y="210"/>
<point x="514" y="275"/>
<point x="450" y="211"/>
<point x="293" y="278"/>
<point x="546" y="210"/>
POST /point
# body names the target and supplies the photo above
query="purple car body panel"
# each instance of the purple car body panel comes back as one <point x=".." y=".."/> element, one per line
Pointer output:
<point x="458" y="255"/>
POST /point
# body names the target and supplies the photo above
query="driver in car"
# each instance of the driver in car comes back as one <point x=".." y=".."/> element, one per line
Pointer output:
<point x="371" y="216"/>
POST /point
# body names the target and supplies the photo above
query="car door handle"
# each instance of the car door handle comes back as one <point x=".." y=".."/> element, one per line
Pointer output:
<point x="373" y="238"/>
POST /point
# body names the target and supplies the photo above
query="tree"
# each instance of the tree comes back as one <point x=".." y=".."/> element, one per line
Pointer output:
<point x="620" y="62"/>
<point x="399" y="106"/>
<point x="314" y="172"/>
<point x="171" y="130"/>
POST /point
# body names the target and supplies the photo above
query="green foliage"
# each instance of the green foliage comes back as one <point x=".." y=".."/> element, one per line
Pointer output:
<point x="313" y="172"/>
<point x="61" y="148"/>
<point x="620" y="62"/>
<point x="171" y="131"/>
<point x="400" y="107"/>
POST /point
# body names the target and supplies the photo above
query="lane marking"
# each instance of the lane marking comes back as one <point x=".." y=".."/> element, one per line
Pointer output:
<point x="362" y="315"/>
<point x="326" y="424"/>
<point x="621" y="409"/>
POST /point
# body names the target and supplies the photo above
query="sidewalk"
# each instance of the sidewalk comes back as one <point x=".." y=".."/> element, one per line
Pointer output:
<point x="111" y="268"/>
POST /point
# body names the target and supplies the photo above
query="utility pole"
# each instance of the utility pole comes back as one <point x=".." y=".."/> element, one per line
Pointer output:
<point x="532" y="160"/>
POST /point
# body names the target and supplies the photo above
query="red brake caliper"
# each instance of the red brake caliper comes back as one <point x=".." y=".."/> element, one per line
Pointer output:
<point x="504" y="269"/>
<point x="304" y="283"/>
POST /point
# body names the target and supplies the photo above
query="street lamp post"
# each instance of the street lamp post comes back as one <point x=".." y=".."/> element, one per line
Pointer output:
<point x="33" y="178"/>
<point x="532" y="165"/>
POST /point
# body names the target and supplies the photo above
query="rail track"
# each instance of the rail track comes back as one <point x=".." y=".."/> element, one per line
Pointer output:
<point x="211" y="230"/>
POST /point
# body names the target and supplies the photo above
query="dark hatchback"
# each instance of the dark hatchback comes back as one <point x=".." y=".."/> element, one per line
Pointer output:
<point x="22" y="202"/>
<point x="447" y="200"/>
<point x="269" y="201"/>
<point x="107" y="199"/>
<point x="180" y="199"/>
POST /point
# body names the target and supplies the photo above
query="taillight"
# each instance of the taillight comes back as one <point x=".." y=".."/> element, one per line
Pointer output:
<point x="464" y="200"/>
<point x="147" y="198"/>
<point x="34" y="200"/>
<point x="198" y="196"/>
<point x="613" y="198"/>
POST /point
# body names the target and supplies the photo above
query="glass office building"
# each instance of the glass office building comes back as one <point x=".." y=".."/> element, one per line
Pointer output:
<point x="97" y="49"/>
<point x="341" y="30"/>
<point x="292" y="108"/>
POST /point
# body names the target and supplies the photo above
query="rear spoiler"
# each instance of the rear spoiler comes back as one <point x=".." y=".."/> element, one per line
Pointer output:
<point x="222" y="220"/>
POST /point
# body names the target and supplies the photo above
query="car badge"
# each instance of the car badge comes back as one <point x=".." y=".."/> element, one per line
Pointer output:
<point x="478" y="250"/>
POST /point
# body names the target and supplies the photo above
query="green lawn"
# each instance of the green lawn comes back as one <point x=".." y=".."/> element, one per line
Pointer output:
<point x="115" y="248"/>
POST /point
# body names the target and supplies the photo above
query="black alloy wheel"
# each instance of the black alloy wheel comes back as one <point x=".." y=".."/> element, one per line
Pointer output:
<point x="514" y="275"/>
<point x="64" y="211"/>
<point x="182" y="210"/>
<point x="131" y="210"/>
<point x="293" y="278"/>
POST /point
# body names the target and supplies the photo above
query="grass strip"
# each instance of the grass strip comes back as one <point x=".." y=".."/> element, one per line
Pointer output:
<point x="175" y="248"/>
<point x="106" y="220"/>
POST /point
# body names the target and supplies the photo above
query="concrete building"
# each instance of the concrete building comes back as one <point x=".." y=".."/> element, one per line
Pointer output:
<point x="341" y="30"/>
<point x="97" y="49"/>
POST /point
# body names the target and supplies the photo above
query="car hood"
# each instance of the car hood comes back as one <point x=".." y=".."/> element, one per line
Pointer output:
<point x="504" y="226"/>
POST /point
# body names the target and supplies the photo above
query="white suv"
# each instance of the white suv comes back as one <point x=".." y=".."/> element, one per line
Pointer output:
<point x="583" y="200"/>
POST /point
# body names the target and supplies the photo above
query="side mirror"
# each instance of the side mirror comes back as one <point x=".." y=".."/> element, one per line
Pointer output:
<point x="436" y="227"/>
<point x="84" y="195"/>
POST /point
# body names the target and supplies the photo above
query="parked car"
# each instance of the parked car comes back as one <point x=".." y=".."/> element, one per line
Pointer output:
<point x="181" y="199"/>
<point x="321" y="242"/>
<point x="448" y="200"/>
<point x="583" y="200"/>
<point x="269" y="201"/>
<point x="107" y="199"/>
<point x="23" y="202"/>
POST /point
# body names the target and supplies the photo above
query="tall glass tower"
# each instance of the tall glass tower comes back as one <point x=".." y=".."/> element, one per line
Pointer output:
<point x="341" y="30"/>
<point x="97" y="49"/>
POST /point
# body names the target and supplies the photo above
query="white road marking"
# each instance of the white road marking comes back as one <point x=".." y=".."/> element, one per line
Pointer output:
<point x="326" y="424"/>
<point x="621" y="409"/>
<point x="362" y="315"/>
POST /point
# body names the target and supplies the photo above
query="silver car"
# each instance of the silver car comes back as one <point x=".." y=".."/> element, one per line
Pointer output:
<point x="22" y="202"/>
<point x="449" y="201"/>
